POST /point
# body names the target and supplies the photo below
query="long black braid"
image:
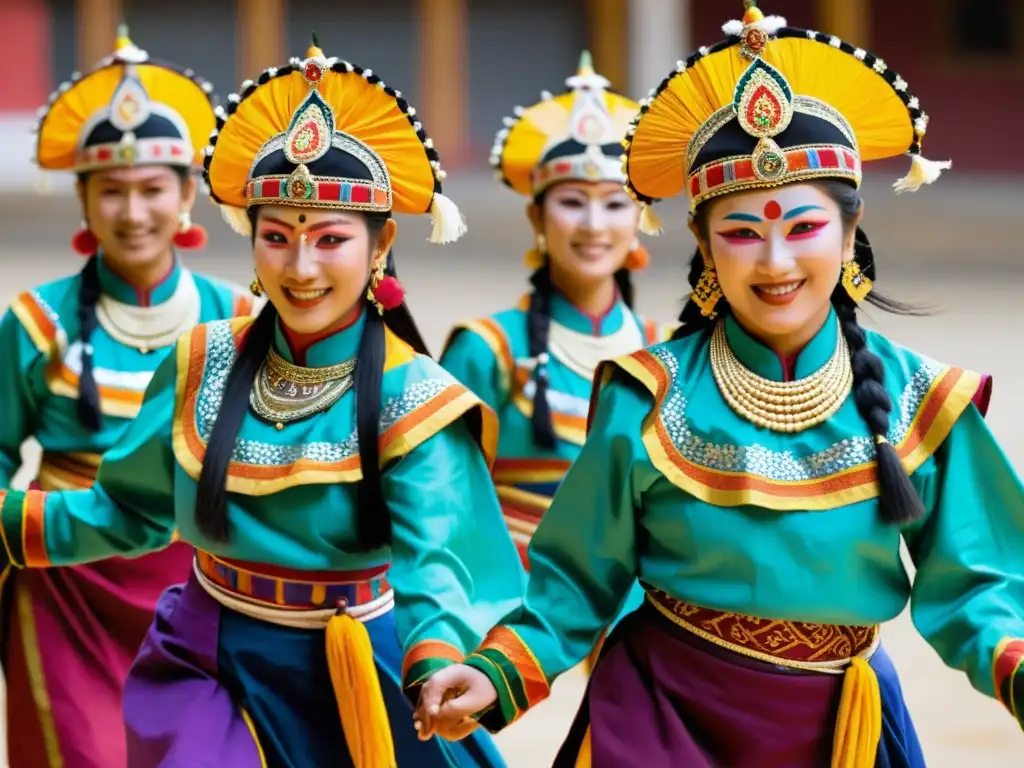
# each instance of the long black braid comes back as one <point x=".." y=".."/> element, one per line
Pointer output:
<point x="898" y="501"/>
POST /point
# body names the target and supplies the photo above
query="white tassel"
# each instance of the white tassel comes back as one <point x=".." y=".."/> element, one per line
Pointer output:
<point x="922" y="171"/>
<point x="773" y="24"/>
<point x="449" y="224"/>
<point x="734" y="27"/>
<point x="237" y="219"/>
<point x="650" y="224"/>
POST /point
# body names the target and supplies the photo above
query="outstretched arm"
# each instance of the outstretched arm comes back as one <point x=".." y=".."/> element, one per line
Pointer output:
<point x="129" y="511"/>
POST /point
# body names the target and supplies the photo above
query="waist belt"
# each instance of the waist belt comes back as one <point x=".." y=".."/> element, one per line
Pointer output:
<point x="67" y="471"/>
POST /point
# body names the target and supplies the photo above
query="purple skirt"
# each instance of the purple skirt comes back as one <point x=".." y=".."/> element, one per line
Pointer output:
<point x="661" y="697"/>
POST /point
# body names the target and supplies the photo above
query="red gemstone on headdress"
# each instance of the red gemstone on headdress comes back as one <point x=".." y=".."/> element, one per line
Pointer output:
<point x="312" y="72"/>
<point x="755" y="39"/>
<point x="306" y="140"/>
<point x="763" y="108"/>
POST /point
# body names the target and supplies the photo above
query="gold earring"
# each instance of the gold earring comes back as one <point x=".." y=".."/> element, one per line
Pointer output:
<point x="256" y="287"/>
<point x="535" y="256"/>
<point x="708" y="291"/>
<point x="855" y="282"/>
<point x="371" y="292"/>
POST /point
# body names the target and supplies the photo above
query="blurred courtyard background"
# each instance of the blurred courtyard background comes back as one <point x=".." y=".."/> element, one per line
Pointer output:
<point x="464" y="64"/>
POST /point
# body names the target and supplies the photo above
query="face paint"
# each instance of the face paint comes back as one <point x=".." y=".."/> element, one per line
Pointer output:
<point x="772" y="210"/>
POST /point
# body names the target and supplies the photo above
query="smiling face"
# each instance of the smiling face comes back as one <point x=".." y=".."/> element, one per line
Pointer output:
<point x="314" y="265"/>
<point x="778" y="254"/>
<point x="133" y="212"/>
<point x="590" y="228"/>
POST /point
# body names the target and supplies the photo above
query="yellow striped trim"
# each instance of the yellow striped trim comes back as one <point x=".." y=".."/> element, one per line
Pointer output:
<point x="255" y="737"/>
<point x="37" y="677"/>
<point x="37" y="322"/>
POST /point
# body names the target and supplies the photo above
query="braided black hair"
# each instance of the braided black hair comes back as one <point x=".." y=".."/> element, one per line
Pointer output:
<point x="898" y="501"/>
<point x="538" y="324"/>
<point x="88" y="406"/>
<point x="374" y="523"/>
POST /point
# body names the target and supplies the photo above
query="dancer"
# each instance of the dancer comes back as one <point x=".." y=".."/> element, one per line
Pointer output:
<point x="759" y="471"/>
<point x="80" y="352"/>
<point x="325" y="468"/>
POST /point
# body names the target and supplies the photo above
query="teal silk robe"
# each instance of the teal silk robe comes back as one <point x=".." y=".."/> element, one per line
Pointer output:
<point x="674" y="488"/>
<point x="491" y="357"/>
<point x="39" y="383"/>
<point x="292" y="494"/>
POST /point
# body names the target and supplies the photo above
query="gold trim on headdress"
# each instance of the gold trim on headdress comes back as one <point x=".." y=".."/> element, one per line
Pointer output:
<point x="306" y="110"/>
<point x="763" y="76"/>
<point x="125" y="90"/>
<point x="588" y="113"/>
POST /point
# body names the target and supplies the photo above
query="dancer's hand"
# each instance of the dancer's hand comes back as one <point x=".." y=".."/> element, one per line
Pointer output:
<point x="449" y="698"/>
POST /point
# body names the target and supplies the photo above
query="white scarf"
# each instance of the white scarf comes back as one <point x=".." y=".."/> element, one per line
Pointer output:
<point x="148" y="328"/>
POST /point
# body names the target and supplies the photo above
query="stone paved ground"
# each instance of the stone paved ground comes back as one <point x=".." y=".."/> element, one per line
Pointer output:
<point x="955" y="246"/>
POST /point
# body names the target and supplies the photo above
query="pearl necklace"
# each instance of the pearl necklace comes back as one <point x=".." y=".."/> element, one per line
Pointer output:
<point x="781" y="406"/>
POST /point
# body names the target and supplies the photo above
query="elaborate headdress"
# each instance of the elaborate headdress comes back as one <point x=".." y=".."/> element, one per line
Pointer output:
<point x="770" y="105"/>
<point x="321" y="132"/>
<point x="574" y="136"/>
<point x="130" y="110"/>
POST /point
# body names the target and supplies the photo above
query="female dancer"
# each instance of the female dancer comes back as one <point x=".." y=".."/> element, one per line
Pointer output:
<point x="749" y="472"/>
<point x="314" y="509"/>
<point x="534" y="364"/>
<point x="80" y="353"/>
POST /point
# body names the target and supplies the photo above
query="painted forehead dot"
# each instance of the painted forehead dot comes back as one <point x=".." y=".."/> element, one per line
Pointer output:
<point x="772" y="210"/>
<point x="302" y="218"/>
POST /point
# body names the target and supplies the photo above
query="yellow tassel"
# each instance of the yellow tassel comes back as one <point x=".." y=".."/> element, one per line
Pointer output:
<point x="237" y="219"/>
<point x="364" y="717"/>
<point x="859" y="723"/>
<point x="922" y="171"/>
<point x="650" y="224"/>
<point x="449" y="224"/>
<point x="583" y="757"/>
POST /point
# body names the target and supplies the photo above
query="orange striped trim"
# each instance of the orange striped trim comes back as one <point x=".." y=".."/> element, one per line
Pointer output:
<point x="652" y="332"/>
<point x="511" y="646"/>
<point x="494" y="335"/>
<point x="430" y="649"/>
<point x="523" y="470"/>
<point x="36" y="321"/>
<point x="33" y="530"/>
<point x="946" y="400"/>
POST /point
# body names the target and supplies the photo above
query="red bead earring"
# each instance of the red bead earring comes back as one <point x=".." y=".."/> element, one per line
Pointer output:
<point x="84" y="242"/>
<point x="189" y="236"/>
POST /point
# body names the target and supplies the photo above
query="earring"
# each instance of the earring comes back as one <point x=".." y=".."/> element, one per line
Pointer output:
<point x="384" y="291"/>
<point x="855" y="282"/>
<point x="189" y="236"/>
<point x="534" y="258"/>
<point x="84" y="242"/>
<point x="256" y="287"/>
<point x="637" y="258"/>
<point x="707" y="292"/>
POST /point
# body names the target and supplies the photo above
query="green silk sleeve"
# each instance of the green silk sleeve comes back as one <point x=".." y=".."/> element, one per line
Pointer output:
<point x="583" y="563"/>
<point x="470" y="359"/>
<point x="19" y="413"/>
<point x="455" y="570"/>
<point x="129" y="511"/>
<point x="968" y="595"/>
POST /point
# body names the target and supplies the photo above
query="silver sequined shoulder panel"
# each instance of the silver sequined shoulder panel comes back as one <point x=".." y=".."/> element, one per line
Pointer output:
<point x="784" y="466"/>
<point x="220" y="354"/>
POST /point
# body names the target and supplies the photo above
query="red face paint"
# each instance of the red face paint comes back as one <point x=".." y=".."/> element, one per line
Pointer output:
<point x="772" y="210"/>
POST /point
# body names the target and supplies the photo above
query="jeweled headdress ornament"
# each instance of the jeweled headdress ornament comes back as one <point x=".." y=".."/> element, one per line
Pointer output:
<point x="130" y="110"/>
<point x="321" y="132"/>
<point x="767" y="106"/>
<point x="575" y="136"/>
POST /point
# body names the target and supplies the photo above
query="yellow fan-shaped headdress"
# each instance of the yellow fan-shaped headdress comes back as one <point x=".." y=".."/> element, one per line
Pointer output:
<point x="767" y="106"/>
<point x="324" y="133"/>
<point x="575" y="136"/>
<point x="130" y="110"/>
